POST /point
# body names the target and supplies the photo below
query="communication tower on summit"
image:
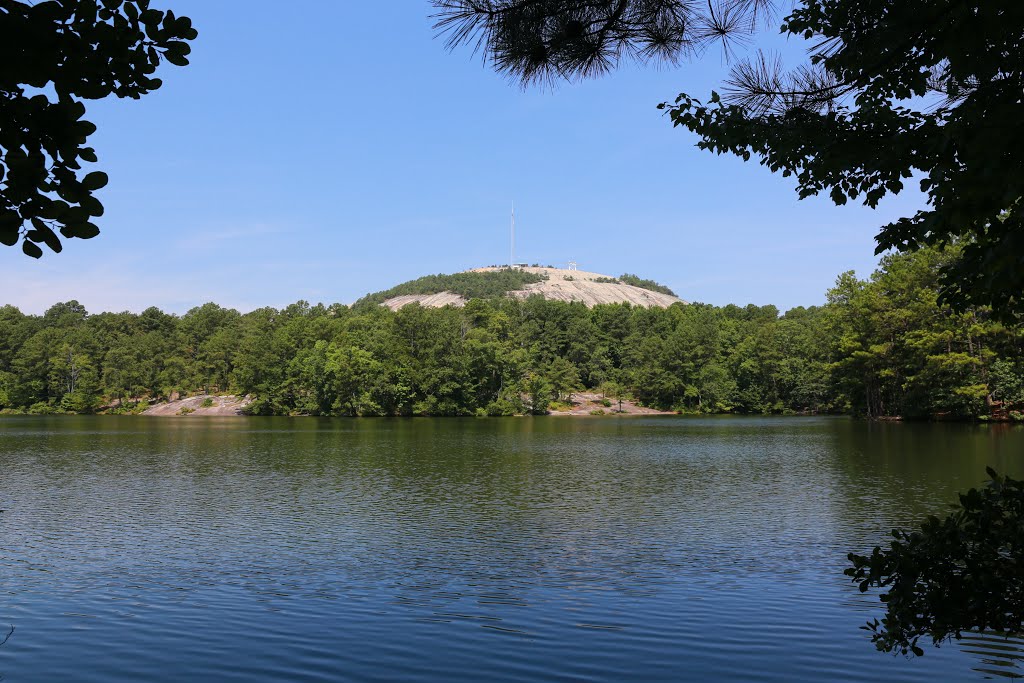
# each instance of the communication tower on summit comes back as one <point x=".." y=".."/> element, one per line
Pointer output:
<point x="512" y="240"/>
<point x="572" y="265"/>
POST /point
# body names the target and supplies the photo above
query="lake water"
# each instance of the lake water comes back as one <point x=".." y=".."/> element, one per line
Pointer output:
<point x="520" y="549"/>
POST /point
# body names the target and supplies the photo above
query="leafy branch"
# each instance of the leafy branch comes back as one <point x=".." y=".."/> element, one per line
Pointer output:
<point x="963" y="572"/>
<point x="53" y="55"/>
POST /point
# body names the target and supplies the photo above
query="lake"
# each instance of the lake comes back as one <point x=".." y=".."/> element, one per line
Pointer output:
<point x="518" y="549"/>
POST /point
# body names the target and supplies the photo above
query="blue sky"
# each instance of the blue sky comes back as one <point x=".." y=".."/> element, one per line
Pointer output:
<point x="337" y="148"/>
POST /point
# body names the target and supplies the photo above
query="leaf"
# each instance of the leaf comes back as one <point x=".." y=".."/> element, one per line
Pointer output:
<point x="83" y="231"/>
<point x="85" y="128"/>
<point x="152" y="17"/>
<point x="178" y="47"/>
<point x="92" y="206"/>
<point x="176" y="59"/>
<point x="95" y="180"/>
<point x="47" y="235"/>
<point x="31" y="249"/>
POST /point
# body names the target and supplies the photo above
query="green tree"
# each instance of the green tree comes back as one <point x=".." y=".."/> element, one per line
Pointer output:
<point x="15" y="329"/>
<point x="563" y="377"/>
<point x="350" y="372"/>
<point x="1007" y="378"/>
<point x="900" y="351"/>
<point x="73" y="378"/>
<point x="8" y="381"/>
<point x="616" y="391"/>
<point x="53" y="55"/>
<point x="129" y="369"/>
<point x="31" y="366"/>
<point x="539" y="391"/>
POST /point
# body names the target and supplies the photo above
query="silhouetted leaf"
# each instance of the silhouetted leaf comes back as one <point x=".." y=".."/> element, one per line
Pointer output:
<point x="31" y="249"/>
<point x="95" y="180"/>
<point x="47" y="235"/>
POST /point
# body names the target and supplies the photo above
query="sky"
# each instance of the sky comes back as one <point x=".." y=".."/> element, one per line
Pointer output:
<point x="321" y="150"/>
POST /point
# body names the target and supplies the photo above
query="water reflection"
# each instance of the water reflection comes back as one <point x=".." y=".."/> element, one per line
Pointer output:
<point x="998" y="656"/>
<point x="436" y="549"/>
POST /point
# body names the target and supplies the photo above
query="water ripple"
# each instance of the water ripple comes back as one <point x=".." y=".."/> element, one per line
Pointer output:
<point x="465" y="550"/>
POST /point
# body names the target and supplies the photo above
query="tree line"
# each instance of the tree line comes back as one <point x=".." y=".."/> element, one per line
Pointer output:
<point x="879" y="347"/>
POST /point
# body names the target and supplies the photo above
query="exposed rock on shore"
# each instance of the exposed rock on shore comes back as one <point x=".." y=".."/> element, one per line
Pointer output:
<point x="206" y="404"/>
<point x="592" y="403"/>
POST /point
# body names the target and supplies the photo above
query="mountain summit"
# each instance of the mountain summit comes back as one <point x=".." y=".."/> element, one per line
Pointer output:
<point x="559" y="284"/>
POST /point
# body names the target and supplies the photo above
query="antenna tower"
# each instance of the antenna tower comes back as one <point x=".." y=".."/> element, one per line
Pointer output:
<point x="512" y="240"/>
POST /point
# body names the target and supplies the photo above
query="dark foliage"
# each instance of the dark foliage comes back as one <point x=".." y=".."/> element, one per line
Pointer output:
<point x="963" y="572"/>
<point x="54" y="54"/>
<point x="544" y="40"/>
<point x="897" y="90"/>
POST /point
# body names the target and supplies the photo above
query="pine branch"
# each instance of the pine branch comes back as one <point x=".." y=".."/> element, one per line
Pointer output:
<point x="547" y="40"/>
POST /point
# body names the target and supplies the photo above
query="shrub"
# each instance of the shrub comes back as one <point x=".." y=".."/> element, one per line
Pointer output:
<point x="504" y="408"/>
<point x="77" y="402"/>
<point x="129" y="408"/>
<point x="42" y="408"/>
<point x="267" y="406"/>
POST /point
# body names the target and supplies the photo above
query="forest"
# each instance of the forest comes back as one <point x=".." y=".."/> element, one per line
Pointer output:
<point x="881" y="347"/>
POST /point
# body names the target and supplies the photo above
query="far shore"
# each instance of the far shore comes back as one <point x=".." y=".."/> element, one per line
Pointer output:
<point x="581" y="404"/>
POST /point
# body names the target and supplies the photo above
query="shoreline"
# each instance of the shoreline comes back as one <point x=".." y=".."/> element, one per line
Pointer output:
<point x="585" y="404"/>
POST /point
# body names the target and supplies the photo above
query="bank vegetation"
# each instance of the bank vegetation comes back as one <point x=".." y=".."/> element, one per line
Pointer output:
<point x="882" y="347"/>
